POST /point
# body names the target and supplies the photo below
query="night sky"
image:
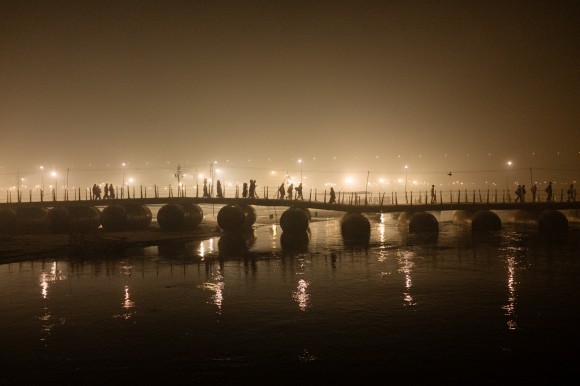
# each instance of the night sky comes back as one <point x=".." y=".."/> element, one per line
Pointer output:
<point x="344" y="86"/>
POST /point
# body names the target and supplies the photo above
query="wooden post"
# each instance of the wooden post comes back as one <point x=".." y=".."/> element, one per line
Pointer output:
<point x="324" y="195"/>
<point x="396" y="201"/>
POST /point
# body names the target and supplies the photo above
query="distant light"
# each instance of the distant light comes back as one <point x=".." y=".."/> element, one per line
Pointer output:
<point x="348" y="180"/>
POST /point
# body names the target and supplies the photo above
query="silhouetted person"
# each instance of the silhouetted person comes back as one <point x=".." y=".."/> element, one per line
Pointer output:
<point x="253" y="189"/>
<point x="571" y="193"/>
<point x="290" y="191"/>
<point x="299" y="192"/>
<point x="518" y="194"/>
<point x="549" y="192"/>
<point x="245" y="190"/>
<point x="96" y="192"/>
<point x="106" y="192"/>
<point x="111" y="191"/>
<point x="282" y="191"/>
<point x="332" y="199"/>
<point x="433" y="195"/>
<point x="523" y="194"/>
<point x="205" y="192"/>
<point x="219" y="189"/>
<point x="534" y="191"/>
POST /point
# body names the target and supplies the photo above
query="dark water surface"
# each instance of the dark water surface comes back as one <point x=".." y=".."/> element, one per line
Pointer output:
<point x="406" y="309"/>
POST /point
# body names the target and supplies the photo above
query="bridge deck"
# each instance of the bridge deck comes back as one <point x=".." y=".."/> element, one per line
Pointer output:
<point x="360" y="208"/>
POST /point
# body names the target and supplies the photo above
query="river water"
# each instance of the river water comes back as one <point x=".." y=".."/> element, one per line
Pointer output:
<point x="268" y="309"/>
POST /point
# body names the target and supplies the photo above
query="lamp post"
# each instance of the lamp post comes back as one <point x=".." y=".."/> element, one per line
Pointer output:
<point x="55" y="175"/>
<point x="507" y="190"/>
<point x="124" y="164"/>
<point x="66" y="191"/>
<point x="300" y="162"/>
<point x="406" y="169"/>
<point x="42" y="168"/>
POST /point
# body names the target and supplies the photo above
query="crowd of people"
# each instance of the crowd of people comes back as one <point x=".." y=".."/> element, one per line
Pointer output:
<point x="108" y="192"/>
<point x="295" y="193"/>
<point x="282" y="191"/>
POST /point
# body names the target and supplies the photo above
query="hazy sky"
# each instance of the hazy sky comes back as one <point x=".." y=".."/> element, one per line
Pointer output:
<point x="362" y="85"/>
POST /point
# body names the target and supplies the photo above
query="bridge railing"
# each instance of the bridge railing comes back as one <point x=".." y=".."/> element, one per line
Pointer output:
<point x="313" y="194"/>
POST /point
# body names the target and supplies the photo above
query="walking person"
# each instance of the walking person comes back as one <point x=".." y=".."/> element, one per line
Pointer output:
<point x="111" y="191"/>
<point x="299" y="192"/>
<point x="523" y="194"/>
<point x="96" y="192"/>
<point x="252" y="191"/>
<point x="433" y="195"/>
<point x="106" y="192"/>
<point x="219" y="189"/>
<point x="534" y="191"/>
<point x="245" y="190"/>
<point x="290" y="191"/>
<point x="518" y="194"/>
<point x="571" y="193"/>
<point x="282" y="191"/>
<point x="549" y="192"/>
<point x="332" y="199"/>
<point x="205" y="191"/>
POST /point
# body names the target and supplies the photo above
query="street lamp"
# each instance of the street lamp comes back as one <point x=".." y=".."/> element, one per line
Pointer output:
<point x="300" y="162"/>
<point x="124" y="164"/>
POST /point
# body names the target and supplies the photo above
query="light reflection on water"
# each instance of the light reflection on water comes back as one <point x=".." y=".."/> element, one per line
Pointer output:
<point x="404" y="304"/>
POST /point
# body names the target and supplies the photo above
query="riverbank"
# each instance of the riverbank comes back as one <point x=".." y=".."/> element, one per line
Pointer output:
<point x="21" y="247"/>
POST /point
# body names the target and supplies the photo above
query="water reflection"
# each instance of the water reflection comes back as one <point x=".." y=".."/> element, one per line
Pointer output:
<point x="216" y="286"/>
<point x="407" y="238"/>
<point x="406" y="267"/>
<point x="236" y="244"/>
<point x="128" y="305"/>
<point x="46" y="277"/>
<point x="510" y="307"/>
<point x="300" y="295"/>
<point x="295" y="242"/>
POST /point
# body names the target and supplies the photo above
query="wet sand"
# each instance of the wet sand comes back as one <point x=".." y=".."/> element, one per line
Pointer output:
<point x="21" y="247"/>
